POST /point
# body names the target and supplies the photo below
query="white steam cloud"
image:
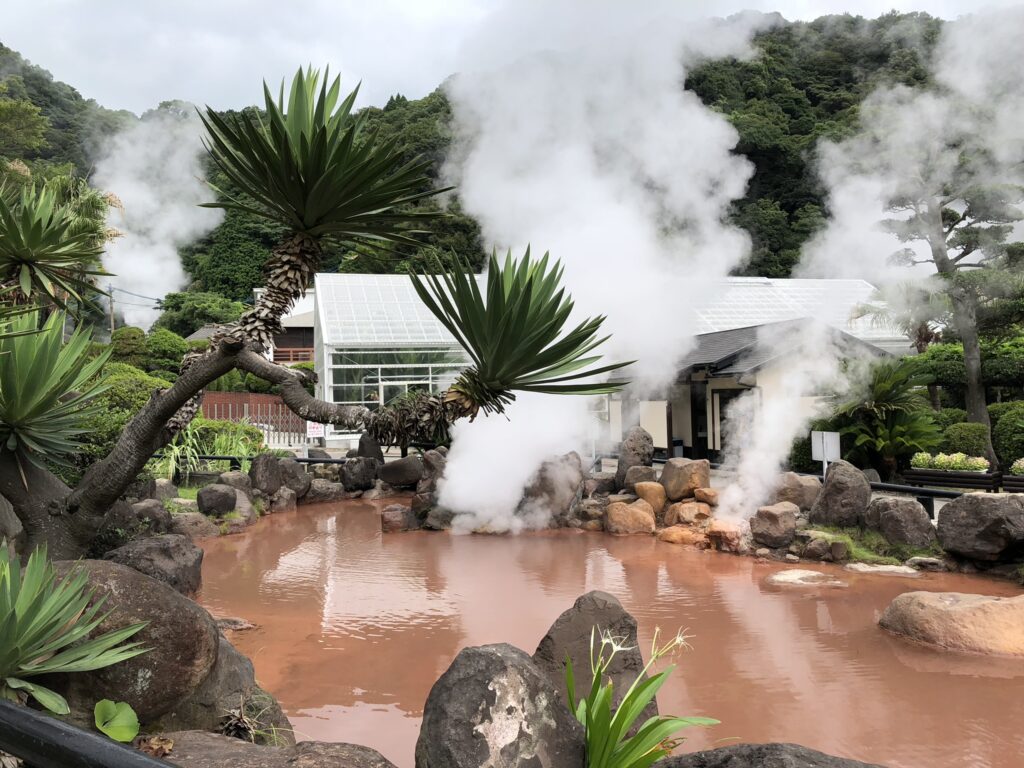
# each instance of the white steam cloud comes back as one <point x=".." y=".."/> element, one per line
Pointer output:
<point x="154" y="168"/>
<point x="574" y="134"/>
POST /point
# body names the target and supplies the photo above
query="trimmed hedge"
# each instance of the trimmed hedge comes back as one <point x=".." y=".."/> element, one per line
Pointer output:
<point x="997" y="410"/>
<point x="949" y="416"/>
<point x="968" y="438"/>
<point x="1008" y="436"/>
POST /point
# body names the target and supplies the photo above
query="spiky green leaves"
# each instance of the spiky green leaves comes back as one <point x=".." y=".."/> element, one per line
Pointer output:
<point x="47" y="389"/>
<point x="44" y="249"/>
<point x="309" y="166"/>
<point x="515" y="336"/>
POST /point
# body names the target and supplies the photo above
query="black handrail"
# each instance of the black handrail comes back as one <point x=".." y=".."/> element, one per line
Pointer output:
<point x="45" y="742"/>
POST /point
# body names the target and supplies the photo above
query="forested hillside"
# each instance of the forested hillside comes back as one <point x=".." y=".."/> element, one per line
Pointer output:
<point x="805" y="84"/>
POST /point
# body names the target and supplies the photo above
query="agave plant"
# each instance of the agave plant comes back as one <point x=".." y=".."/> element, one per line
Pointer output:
<point x="45" y="625"/>
<point x="47" y="388"/>
<point x="45" y="251"/>
<point x="310" y="167"/>
<point x="513" y="335"/>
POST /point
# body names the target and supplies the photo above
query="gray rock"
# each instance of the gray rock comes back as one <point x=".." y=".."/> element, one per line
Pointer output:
<point x="164" y="489"/>
<point x="637" y="449"/>
<point x="199" y="749"/>
<point x="171" y="558"/>
<point x="152" y="515"/>
<point x="844" y="497"/>
<point x="324" y="492"/>
<point x="400" y="473"/>
<point x="600" y="482"/>
<point x="294" y="476"/>
<point x="871" y="475"/>
<point x="681" y="477"/>
<point x="556" y="488"/>
<point x="359" y="474"/>
<point x="775" y="525"/>
<point x="882" y="569"/>
<point x="11" y="529"/>
<point x="494" y="707"/>
<point x="817" y="549"/>
<point x="638" y="474"/>
<point x="934" y="564"/>
<point x="216" y="499"/>
<point x="801" y="490"/>
<point x="570" y="636"/>
<point x="285" y="500"/>
<point x="369" y="448"/>
<point x="439" y="519"/>
<point x="983" y="526"/>
<point x="237" y="479"/>
<point x="194" y="525"/>
<point x="142" y="487"/>
<point x="625" y="498"/>
<point x="901" y="520"/>
<point x="265" y="473"/>
<point x="593" y="508"/>
<point x="398" y="517"/>
<point x="761" y="756"/>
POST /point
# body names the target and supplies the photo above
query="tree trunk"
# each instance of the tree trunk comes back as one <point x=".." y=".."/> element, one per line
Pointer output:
<point x="933" y="397"/>
<point x="39" y="500"/>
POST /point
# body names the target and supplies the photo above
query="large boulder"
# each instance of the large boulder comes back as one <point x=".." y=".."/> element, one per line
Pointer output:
<point x="639" y="474"/>
<point x="495" y="707"/>
<point x="285" y="500"/>
<point x="171" y="558"/>
<point x="901" y="520"/>
<point x="11" y="529"/>
<point x="325" y="492"/>
<point x="637" y="450"/>
<point x="369" y="448"/>
<point x="959" y="622"/>
<point x="194" y="525"/>
<point x="653" y="493"/>
<point x="761" y="756"/>
<point x="637" y="517"/>
<point x="237" y="479"/>
<point x="294" y="476"/>
<point x="181" y="637"/>
<point x="199" y="749"/>
<point x="600" y="482"/>
<point x="164" y="489"/>
<point x="983" y="526"/>
<point x="152" y="516"/>
<point x="775" y="525"/>
<point x="681" y="477"/>
<point x="687" y="513"/>
<point x="555" y="489"/>
<point x="401" y="473"/>
<point x="570" y="636"/>
<point x="359" y="474"/>
<point x="434" y="462"/>
<point x="801" y="490"/>
<point x="265" y="474"/>
<point x="217" y="499"/>
<point x="844" y="497"/>
<point x="398" y="517"/>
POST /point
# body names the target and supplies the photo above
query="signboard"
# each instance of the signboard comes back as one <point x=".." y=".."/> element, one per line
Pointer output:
<point x="825" y="448"/>
<point x="315" y="429"/>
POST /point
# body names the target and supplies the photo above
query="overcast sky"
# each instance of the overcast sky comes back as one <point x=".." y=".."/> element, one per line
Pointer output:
<point x="133" y="54"/>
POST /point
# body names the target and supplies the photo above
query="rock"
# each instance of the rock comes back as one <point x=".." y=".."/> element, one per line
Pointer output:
<point x="152" y="515"/>
<point x="593" y="525"/>
<point x="637" y="450"/>
<point x="195" y="525"/>
<point x="725" y="536"/>
<point x="380" y="490"/>
<point x="285" y="500"/>
<point x="164" y="489"/>
<point x="763" y="553"/>
<point x="359" y="474"/>
<point x="495" y="707"/>
<point x="171" y="558"/>
<point x="234" y="624"/>
<point x="708" y="496"/>
<point x="183" y="505"/>
<point x="600" y="482"/>
<point x="638" y="474"/>
<point x="216" y="500"/>
<point x="682" y="477"/>
<point x="844" y="497"/>
<point x="791" y="558"/>
<point x="245" y="513"/>
<point x="570" y="636"/>
<point x="237" y="479"/>
<point x="230" y="684"/>
<point x="775" y="525"/>
<point x="398" y="517"/>
<point x="369" y="448"/>
<point x="687" y="512"/>
<point x="182" y="640"/>
<point x="817" y="549"/>
<point x="901" y="520"/>
<point x="801" y="490"/>
<point x="871" y="475"/>
<point x="401" y="473"/>
<point x="624" y="498"/>
<point x="983" y="526"/>
<point x="294" y="476"/>
<point x="927" y="564"/>
<point x="199" y="749"/>
<point x="653" y="493"/>
<point x="882" y="570"/>
<point x="761" y="756"/>
<point x="839" y="550"/>
<point x="352" y="453"/>
<point x="142" y="487"/>
<point x="592" y="509"/>
<point x="799" y="577"/>
<point x="959" y="622"/>
<point x="11" y="529"/>
<point x="265" y="473"/>
<point x="555" y="489"/>
<point x="637" y="517"/>
<point x="317" y="453"/>
<point x="678" y="534"/>
<point x="438" y="519"/>
<point x="324" y="492"/>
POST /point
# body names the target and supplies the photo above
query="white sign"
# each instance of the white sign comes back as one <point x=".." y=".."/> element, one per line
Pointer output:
<point x="825" y="448"/>
<point x="315" y="429"/>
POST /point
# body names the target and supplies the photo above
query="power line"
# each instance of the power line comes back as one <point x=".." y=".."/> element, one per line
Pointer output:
<point x="136" y="295"/>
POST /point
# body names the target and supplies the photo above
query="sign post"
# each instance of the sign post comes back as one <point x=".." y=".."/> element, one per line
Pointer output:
<point x="825" y="448"/>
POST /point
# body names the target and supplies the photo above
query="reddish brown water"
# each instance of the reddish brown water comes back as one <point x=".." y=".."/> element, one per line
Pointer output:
<point x="354" y="627"/>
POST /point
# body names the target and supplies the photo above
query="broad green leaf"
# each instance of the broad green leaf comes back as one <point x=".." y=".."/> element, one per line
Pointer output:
<point x="117" y="720"/>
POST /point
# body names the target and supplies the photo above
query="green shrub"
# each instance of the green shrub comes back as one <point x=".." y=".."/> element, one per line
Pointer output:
<point x="169" y="376"/>
<point x="800" y="457"/>
<point x="996" y="411"/>
<point x="128" y="345"/>
<point x="968" y="438"/>
<point x="1008" y="437"/>
<point x="164" y="350"/>
<point x="949" y="416"/>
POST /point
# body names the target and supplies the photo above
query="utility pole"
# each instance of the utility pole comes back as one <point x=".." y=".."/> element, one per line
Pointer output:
<point x="110" y="294"/>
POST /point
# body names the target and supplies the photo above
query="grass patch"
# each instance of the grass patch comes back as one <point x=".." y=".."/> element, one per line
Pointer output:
<point x="188" y="493"/>
<point x="868" y="546"/>
<point x="232" y="516"/>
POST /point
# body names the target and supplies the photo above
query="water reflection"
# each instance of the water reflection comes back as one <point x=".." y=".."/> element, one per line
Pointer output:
<point x="355" y="627"/>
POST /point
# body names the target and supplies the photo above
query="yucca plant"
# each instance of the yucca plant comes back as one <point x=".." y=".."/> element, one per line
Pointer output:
<point x="48" y="389"/>
<point x="607" y="742"/>
<point x="45" y="623"/>
<point x="309" y="166"/>
<point x="513" y="334"/>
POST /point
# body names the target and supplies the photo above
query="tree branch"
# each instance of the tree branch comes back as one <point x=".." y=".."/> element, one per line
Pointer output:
<point x="967" y="251"/>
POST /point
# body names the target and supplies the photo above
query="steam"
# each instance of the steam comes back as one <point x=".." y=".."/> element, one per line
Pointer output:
<point x="574" y="134"/>
<point x="154" y="169"/>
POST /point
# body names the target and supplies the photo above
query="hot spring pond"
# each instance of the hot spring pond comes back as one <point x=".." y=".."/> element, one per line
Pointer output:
<point x="354" y="627"/>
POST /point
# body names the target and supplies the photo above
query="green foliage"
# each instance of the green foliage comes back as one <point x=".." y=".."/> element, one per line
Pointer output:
<point x="46" y="626"/>
<point x="996" y="411"/>
<point x="48" y="390"/>
<point x="868" y="546"/>
<point x="971" y="439"/>
<point x="22" y="127"/>
<point x="607" y="745"/>
<point x="883" y="443"/>
<point x="959" y="462"/>
<point x="512" y="337"/>
<point x="186" y="313"/>
<point x="1017" y="468"/>
<point x="164" y="350"/>
<point x="128" y="345"/>
<point x="1008" y="437"/>
<point x="116" y="720"/>
<point x="947" y="417"/>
